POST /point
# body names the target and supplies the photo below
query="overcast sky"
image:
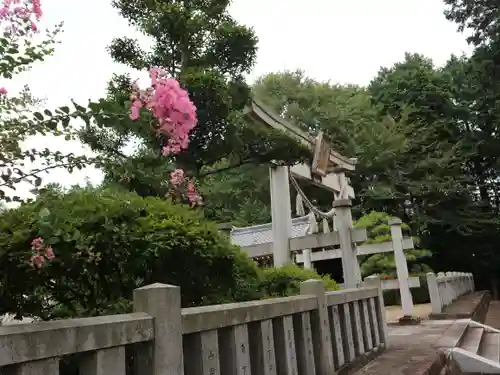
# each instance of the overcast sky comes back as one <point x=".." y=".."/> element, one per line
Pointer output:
<point x="343" y="41"/>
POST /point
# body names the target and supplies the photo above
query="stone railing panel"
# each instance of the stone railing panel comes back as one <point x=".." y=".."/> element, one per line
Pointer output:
<point x="249" y="334"/>
<point x="204" y="318"/>
<point x="350" y="295"/>
<point x="444" y="288"/>
<point x="36" y="341"/>
<point x="393" y="284"/>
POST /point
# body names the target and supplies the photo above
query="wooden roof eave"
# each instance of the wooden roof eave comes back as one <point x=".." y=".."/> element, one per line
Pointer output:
<point x="258" y="112"/>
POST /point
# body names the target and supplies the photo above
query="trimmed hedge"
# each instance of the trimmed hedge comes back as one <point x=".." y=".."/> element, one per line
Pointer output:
<point x="107" y="243"/>
<point x="285" y="281"/>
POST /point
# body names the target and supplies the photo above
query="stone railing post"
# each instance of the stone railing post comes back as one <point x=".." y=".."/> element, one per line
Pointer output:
<point x="453" y="292"/>
<point x="434" y="295"/>
<point x="164" y="355"/>
<point x="350" y="265"/>
<point x="401" y="267"/>
<point x="320" y="327"/>
<point x="451" y="287"/>
<point x="442" y="288"/>
<point x="460" y="283"/>
<point x="456" y="282"/>
<point x="463" y="285"/>
<point x="375" y="282"/>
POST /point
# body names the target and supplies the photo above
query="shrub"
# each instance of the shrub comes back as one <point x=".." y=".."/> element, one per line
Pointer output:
<point x="285" y="281"/>
<point x="384" y="263"/>
<point x="107" y="243"/>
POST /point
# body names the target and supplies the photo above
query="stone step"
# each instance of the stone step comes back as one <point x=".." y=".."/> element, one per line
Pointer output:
<point x="470" y="363"/>
<point x="472" y="340"/>
<point x="490" y="346"/>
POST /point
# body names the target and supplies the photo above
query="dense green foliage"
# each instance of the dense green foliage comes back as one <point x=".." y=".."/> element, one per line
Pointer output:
<point x="378" y="230"/>
<point x="201" y="45"/>
<point x="240" y="196"/>
<point x="109" y="242"/>
<point x="427" y="143"/>
<point x="426" y="137"/>
<point x="285" y="281"/>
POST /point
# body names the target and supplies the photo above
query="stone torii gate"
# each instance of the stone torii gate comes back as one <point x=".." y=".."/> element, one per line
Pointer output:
<point x="327" y="171"/>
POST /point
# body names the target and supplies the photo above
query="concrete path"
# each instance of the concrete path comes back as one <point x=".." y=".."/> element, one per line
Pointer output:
<point x="410" y="350"/>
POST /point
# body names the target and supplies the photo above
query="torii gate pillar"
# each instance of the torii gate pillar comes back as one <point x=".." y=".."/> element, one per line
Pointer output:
<point x="350" y="265"/>
<point x="281" y="213"/>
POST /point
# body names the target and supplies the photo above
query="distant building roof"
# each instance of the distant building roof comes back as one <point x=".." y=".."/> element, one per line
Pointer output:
<point x="260" y="234"/>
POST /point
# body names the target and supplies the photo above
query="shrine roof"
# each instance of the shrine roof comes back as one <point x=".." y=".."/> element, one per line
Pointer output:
<point x="260" y="234"/>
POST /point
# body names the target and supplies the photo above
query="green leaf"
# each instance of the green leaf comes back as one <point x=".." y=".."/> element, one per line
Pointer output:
<point x="95" y="107"/>
<point x="79" y="108"/>
<point x="65" y="109"/>
<point x="65" y="122"/>
<point x="44" y="213"/>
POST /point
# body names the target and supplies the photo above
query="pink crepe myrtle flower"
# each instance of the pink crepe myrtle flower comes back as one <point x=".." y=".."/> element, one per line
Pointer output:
<point x="175" y="116"/>
<point x="177" y="177"/>
<point x="40" y="253"/>
<point x="170" y="105"/>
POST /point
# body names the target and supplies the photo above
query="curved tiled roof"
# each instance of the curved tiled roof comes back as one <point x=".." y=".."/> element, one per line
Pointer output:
<point x="260" y="234"/>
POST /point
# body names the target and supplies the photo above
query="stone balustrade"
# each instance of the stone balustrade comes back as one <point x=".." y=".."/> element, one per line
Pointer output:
<point x="444" y="288"/>
<point x="316" y="332"/>
<point x="393" y="284"/>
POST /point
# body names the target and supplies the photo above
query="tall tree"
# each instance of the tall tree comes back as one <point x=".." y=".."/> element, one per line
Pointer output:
<point x="200" y="44"/>
<point x="444" y="169"/>
<point x="413" y="164"/>
<point x="478" y="90"/>
<point x="480" y="17"/>
<point x="430" y="169"/>
<point x="353" y="123"/>
<point x="479" y="93"/>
